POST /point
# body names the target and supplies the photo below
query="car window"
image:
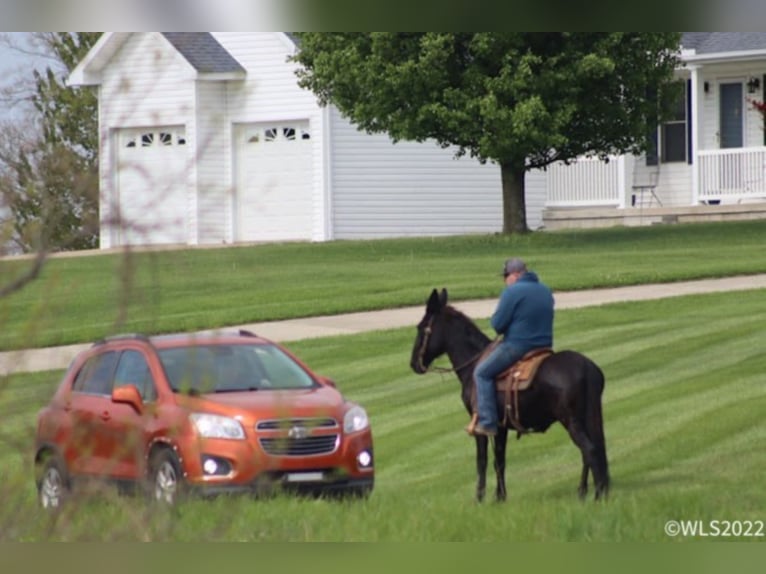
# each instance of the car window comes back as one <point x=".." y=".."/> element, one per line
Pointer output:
<point x="134" y="370"/>
<point x="225" y="368"/>
<point x="281" y="372"/>
<point x="190" y="368"/>
<point x="95" y="377"/>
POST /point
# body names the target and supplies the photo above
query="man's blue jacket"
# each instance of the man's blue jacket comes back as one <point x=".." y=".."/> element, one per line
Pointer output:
<point x="524" y="314"/>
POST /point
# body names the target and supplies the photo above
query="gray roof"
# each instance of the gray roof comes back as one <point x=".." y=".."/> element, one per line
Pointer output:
<point x="721" y="42"/>
<point x="203" y="52"/>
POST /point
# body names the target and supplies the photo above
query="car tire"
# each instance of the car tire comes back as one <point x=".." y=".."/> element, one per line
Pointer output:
<point x="166" y="483"/>
<point x="52" y="483"/>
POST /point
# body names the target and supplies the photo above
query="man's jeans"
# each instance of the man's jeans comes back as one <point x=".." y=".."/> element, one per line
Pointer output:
<point x="501" y="357"/>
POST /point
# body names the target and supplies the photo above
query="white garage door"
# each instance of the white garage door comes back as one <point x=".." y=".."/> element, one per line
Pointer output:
<point x="274" y="181"/>
<point x="152" y="185"/>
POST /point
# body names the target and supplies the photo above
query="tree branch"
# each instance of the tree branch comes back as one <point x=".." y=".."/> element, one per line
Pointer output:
<point x="27" y="277"/>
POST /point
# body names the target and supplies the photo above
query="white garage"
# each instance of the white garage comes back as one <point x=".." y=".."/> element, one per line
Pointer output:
<point x="274" y="181"/>
<point x="206" y="138"/>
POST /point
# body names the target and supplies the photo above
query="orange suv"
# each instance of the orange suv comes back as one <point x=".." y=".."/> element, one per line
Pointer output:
<point x="211" y="413"/>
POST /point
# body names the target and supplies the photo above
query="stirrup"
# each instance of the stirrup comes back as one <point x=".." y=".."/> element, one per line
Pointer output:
<point x="472" y="425"/>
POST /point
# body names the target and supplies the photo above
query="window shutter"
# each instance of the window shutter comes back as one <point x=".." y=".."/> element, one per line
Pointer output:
<point x="652" y="131"/>
<point x="652" y="157"/>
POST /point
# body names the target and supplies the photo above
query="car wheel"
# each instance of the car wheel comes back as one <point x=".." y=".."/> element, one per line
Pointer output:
<point x="52" y="484"/>
<point x="166" y="478"/>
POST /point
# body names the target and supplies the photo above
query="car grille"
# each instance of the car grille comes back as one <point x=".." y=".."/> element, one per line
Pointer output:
<point x="296" y="437"/>
<point x="276" y="424"/>
<point x="284" y="446"/>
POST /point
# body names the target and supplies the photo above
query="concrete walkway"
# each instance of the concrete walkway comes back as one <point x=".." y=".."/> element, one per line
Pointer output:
<point x="350" y="323"/>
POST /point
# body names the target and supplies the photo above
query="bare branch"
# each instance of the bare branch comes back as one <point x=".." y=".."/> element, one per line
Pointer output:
<point x="26" y="278"/>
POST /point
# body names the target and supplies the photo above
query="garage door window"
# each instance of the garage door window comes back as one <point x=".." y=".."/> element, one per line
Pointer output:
<point x="279" y="134"/>
<point x="155" y="139"/>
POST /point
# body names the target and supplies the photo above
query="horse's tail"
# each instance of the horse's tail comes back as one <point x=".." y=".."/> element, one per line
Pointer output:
<point x="594" y="420"/>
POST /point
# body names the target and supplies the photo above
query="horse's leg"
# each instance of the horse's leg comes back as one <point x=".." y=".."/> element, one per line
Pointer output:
<point x="595" y="429"/>
<point x="582" y="490"/>
<point x="481" y="466"/>
<point x="589" y="455"/>
<point x="500" y="442"/>
<point x="594" y="426"/>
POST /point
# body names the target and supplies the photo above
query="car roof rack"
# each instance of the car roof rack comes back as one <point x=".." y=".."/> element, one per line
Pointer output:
<point x="122" y="337"/>
<point x="246" y="333"/>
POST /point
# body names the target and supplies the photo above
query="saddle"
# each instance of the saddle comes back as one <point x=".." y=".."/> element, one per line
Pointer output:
<point x="517" y="377"/>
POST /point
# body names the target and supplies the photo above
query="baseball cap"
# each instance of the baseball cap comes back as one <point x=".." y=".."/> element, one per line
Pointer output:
<point x="513" y="265"/>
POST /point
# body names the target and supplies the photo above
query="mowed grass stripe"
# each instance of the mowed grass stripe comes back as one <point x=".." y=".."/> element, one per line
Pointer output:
<point x="78" y="299"/>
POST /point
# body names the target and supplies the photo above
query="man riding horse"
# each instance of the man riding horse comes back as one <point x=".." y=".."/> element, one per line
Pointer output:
<point x="524" y="318"/>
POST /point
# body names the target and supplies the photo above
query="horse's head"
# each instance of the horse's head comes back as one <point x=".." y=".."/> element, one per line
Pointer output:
<point x="430" y="341"/>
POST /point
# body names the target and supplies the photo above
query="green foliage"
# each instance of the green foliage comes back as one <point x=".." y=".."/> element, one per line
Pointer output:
<point x="520" y="99"/>
<point x="51" y="183"/>
<point x="69" y="117"/>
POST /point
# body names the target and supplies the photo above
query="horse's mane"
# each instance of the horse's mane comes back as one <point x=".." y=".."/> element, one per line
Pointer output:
<point x="475" y="335"/>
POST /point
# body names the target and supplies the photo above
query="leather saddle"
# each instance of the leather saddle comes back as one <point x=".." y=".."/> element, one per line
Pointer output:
<point x="517" y="377"/>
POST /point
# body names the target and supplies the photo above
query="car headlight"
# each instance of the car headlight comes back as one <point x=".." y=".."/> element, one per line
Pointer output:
<point x="216" y="426"/>
<point x="355" y="419"/>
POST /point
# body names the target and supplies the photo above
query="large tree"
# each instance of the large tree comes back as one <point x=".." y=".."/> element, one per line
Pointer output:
<point x="522" y="100"/>
<point x="49" y="168"/>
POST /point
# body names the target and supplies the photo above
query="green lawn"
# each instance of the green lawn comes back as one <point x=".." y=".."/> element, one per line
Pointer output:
<point x="82" y="298"/>
<point x="683" y="407"/>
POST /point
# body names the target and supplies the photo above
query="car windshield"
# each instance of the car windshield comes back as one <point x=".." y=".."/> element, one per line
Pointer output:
<point x="214" y="368"/>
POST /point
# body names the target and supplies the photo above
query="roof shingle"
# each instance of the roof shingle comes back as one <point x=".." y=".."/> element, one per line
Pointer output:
<point x="203" y="52"/>
<point x="721" y="42"/>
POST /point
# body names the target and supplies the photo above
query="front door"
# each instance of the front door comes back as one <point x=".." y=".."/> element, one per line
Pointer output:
<point x="731" y="113"/>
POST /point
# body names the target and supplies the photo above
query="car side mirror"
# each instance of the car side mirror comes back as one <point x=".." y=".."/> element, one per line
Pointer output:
<point x="128" y="394"/>
<point x="327" y="381"/>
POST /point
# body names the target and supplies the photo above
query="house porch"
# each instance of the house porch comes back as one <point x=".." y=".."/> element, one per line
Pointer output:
<point x="590" y="217"/>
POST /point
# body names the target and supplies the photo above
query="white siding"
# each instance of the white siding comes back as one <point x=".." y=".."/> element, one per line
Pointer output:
<point x="381" y="189"/>
<point x="535" y="185"/>
<point x="270" y="93"/>
<point x="374" y="189"/>
<point x="674" y="186"/>
<point x="147" y="83"/>
<point x="716" y="74"/>
<point x="212" y="202"/>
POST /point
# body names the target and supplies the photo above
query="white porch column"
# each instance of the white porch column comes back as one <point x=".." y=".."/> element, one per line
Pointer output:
<point x="695" y="107"/>
<point x="622" y="180"/>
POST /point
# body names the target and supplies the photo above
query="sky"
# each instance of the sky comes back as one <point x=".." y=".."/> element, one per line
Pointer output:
<point x="15" y="66"/>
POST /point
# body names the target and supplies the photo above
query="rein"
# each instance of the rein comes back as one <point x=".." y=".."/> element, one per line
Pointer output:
<point x="433" y="369"/>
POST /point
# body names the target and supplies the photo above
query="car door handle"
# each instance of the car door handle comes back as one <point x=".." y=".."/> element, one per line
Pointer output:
<point x="105" y="416"/>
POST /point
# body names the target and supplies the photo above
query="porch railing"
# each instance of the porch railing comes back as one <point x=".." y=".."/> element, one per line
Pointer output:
<point x="723" y="176"/>
<point x="729" y="175"/>
<point x="587" y="182"/>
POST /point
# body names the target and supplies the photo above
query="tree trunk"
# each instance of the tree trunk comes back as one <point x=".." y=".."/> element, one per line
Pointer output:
<point x="514" y="202"/>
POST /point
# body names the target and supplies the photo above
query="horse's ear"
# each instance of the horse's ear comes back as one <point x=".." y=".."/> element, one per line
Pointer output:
<point x="433" y="302"/>
<point x="443" y="298"/>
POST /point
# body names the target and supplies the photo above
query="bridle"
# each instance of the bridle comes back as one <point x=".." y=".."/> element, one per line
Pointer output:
<point x="422" y="351"/>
